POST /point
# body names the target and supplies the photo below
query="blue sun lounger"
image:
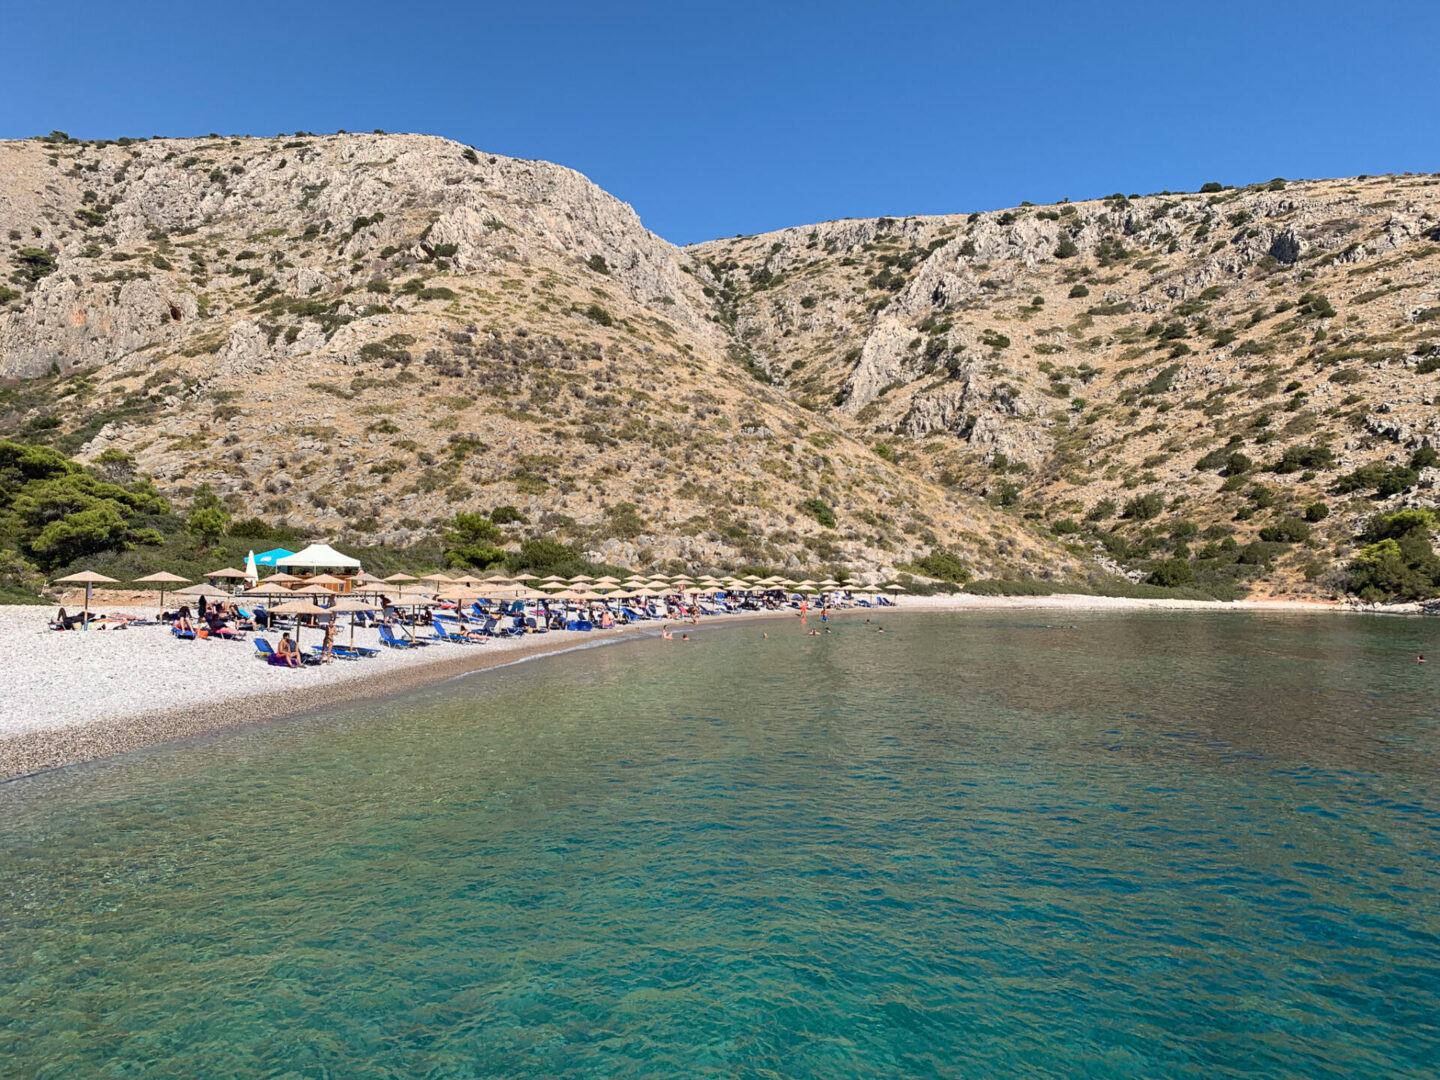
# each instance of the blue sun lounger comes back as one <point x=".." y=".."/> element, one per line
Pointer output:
<point x="387" y="637"/>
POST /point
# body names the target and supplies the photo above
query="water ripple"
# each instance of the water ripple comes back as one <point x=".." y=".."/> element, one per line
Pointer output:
<point x="1179" y="846"/>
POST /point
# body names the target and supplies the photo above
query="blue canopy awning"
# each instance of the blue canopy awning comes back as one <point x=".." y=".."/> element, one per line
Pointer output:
<point x="270" y="558"/>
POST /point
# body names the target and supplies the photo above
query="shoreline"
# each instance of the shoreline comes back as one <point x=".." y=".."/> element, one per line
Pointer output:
<point x="37" y="746"/>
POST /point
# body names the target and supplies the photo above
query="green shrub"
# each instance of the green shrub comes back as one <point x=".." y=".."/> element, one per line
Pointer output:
<point x="598" y="264"/>
<point x="1066" y="249"/>
<point x="818" y="509"/>
<point x="32" y="264"/>
<point x="473" y="540"/>
<point x="1171" y="573"/>
<point x="1144" y="507"/>
<point x="596" y="313"/>
<point x="944" y="566"/>
<point x="1288" y="530"/>
<point x="623" y="521"/>
<point x="1397" y="561"/>
<point x="1078" y="291"/>
<point x="1384" y="480"/>
<point x="1314" y="306"/>
<point x="1296" y="458"/>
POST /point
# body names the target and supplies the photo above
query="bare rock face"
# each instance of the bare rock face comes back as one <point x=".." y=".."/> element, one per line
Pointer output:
<point x="884" y="359"/>
<point x="360" y="335"/>
<point x="67" y="326"/>
<point x="370" y="332"/>
<point x="344" y="196"/>
<point x="1108" y="346"/>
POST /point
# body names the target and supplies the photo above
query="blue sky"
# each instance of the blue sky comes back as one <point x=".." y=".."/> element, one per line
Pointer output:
<point x="720" y="119"/>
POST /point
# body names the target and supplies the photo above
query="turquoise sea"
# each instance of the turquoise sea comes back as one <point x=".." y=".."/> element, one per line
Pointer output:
<point x="1145" y="845"/>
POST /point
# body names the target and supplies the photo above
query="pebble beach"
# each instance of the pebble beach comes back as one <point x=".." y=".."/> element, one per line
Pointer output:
<point x="75" y="696"/>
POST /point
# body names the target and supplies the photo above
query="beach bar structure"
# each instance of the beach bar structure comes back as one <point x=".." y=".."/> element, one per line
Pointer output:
<point x="322" y="559"/>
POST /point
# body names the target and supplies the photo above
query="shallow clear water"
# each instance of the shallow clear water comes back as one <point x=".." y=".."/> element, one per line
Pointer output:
<point x="974" y="846"/>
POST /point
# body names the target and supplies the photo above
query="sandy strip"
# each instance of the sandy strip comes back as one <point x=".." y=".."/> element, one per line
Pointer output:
<point x="77" y="696"/>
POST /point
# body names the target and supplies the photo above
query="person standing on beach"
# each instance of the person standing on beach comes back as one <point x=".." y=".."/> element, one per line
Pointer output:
<point x="327" y="651"/>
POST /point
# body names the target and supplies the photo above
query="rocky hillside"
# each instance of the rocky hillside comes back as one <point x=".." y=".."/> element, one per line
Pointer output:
<point x="1237" y="379"/>
<point x="359" y="335"/>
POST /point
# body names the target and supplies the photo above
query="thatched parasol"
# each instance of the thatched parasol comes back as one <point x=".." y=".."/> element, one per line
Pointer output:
<point x="163" y="578"/>
<point x="87" y="578"/>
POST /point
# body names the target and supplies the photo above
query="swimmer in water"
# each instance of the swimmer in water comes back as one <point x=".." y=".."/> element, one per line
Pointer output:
<point x="665" y="633"/>
<point x="1420" y="659"/>
<point x="684" y="637"/>
<point x="879" y="630"/>
<point x="814" y="633"/>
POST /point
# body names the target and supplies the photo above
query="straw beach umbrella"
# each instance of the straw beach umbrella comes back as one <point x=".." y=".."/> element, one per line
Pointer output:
<point x="266" y="589"/>
<point x="87" y="578"/>
<point x="351" y="606"/>
<point x="210" y="592"/>
<point x="227" y="572"/>
<point x="163" y="578"/>
<point x="297" y="608"/>
<point x="393" y="578"/>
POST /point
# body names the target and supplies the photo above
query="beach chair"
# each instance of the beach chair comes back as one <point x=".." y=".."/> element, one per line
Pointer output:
<point x="183" y="635"/>
<point x="443" y="633"/>
<point x="270" y="656"/>
<point x="387" y="637"/>
<point x="536" y="626"/>
<point x="337" y="651"/>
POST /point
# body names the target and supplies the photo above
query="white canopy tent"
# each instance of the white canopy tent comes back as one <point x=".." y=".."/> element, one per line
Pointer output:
<point x="318" y="557"/>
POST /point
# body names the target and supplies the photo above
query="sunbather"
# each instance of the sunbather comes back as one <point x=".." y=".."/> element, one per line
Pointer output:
<point x="182" y="622"/>
<point x="468" y="634"/>
<point x="286" y="650"/>
<point x="218" y="627"/>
